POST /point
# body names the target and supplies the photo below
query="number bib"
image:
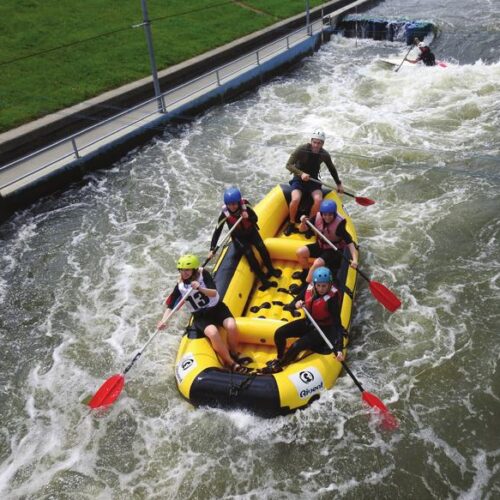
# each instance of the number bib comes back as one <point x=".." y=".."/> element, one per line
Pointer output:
<point x="197" y="300"/>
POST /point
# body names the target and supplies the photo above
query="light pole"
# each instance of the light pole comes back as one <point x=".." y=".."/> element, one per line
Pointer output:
<point x="149" y="39"/>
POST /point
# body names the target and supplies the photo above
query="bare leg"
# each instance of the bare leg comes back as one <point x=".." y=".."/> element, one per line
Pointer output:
<point x="232" y="334"/>
<point x="219" y="346"/>
<point x="317" y="197"/>
<point x="319" y="262"/>
<point x="294" y="204"/>
<point x="303" y="257"/>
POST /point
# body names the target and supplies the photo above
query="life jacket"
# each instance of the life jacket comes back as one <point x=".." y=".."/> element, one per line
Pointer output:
<point x="197" y="301"/>
<point x="317" y="305"/>
<point x="330" y="231"/>
<point x="232" y="218"/>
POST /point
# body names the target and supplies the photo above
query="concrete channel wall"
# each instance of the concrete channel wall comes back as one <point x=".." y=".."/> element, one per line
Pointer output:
<point x="48" y="154"/>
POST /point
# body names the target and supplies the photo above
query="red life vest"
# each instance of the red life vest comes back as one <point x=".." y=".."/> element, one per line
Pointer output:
<point x="330" y="231"/>
<point x="232" y="218"/>
<point x="317" y="305"/>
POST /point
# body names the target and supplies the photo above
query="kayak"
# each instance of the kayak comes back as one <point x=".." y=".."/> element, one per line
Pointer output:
<point x="201" y="378"/>
<point x="394" y="63"/>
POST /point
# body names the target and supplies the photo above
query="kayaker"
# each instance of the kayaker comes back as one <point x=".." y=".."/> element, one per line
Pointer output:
<point x="209" y="312"/>
<point x="245" y="236"/>
<point x="305" y="164"/>
<point x="322" y="302"/>
<point x="426" y="56"/>
<point x="330" y="223"/>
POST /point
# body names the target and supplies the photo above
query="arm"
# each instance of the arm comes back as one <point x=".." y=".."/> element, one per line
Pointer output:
<point x="337" y="330"/>
<point x="344" y="234"/>
<point x="216" y="235"/>
<point x="170" y="302"/>
<point x="333" y="171"/>
<point x="209" y="289"/>
<point x="292" y="163"/>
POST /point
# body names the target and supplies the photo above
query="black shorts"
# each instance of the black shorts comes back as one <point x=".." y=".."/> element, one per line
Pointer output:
<point x="213" y="316"/>
<point x="332" y="258"/>
<point x="307" y="187"/>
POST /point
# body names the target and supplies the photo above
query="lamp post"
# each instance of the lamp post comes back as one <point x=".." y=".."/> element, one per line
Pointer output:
<point x="149" y="39"/>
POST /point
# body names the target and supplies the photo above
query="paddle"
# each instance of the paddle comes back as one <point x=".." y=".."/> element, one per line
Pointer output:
<point x="111" y="389"/>
<point x="388" y="420"/>
<point x="113" y="386"/>
<point x="379" y="291"/>
<point x="360" y="200"/>
<point x="224" y="241"/>
<point x="404" y="59"/>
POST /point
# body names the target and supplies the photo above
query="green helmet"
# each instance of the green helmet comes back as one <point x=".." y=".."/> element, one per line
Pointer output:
<point x="188" y="261"/>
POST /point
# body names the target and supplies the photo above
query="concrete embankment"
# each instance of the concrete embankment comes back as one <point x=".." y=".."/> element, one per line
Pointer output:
<point x="43" y="156"/>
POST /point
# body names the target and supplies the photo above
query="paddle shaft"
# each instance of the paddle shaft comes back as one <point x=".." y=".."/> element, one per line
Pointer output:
<point x="139" y="354"/>
<point x="331" y="186"/>
<point x="329" y="344"/>
<point x="404" y="59"/>
<point x="224" y="241"/>
<point x="326" y="240"/>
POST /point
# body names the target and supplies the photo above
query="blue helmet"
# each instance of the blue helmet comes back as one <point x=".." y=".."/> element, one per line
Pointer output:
<point x="328" y="207"/>
<point x="322" y="275"/>
<point x="232" y="195"/>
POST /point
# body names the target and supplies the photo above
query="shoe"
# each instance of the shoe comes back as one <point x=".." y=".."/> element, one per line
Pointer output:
<point x="289" y="307"/>
<point x="309" y="233"/>
<point x="300" y="275"/>
<point x="267" y="284"/>
<point x="272" y="367"/>
<point x="290" y="229"/>
<point x="241" y="360"/>
<point x="274" y="273"/>
<point x="237" y="368"/>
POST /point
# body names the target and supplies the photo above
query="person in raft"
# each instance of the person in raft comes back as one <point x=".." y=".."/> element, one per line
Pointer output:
<point x="333" y="226"/>
<point x="426" y="56"/>
<point x="209" y="312"/>
<point x="304" y="163"/>
<point x="245" y="236"/>
<point x="322" y="302"/>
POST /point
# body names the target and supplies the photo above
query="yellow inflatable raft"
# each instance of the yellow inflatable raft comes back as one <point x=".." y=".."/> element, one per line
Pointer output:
<point x="200" y="376"/>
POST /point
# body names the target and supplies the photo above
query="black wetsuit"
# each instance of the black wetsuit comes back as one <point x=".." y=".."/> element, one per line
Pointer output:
<point x="304" y="159"/>
<point x="244" y="237"/>
<point x="427" y="57"/>
<point x="308" y="337"/>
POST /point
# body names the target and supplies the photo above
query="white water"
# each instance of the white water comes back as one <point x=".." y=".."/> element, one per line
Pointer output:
<point x="83" y="276"/>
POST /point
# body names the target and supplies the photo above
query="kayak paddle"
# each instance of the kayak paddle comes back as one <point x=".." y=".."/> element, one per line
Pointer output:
<point x="379" y="291"/>
<point x="360" y="200"/>
<point x="113" y="386"/>
<point x="388" y="420"/>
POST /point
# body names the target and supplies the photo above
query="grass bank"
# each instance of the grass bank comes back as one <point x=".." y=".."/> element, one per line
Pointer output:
<point x="56" y="53"/>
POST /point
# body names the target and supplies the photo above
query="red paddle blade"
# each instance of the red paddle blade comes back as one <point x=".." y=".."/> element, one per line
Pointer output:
<point x="108" y="392"/>
<point x="364" y="201"/>
<point x="384" y="296"/>
<point x="389" y="421"/>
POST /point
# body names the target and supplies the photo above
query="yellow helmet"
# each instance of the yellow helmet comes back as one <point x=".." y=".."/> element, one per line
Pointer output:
<point x="188" y="261"/>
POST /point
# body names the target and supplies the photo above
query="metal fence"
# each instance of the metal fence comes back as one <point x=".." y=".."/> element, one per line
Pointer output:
<point x="89" y="139"/>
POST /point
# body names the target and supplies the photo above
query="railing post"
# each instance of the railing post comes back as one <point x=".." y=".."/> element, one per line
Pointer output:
<point x="258" y="60"/>
<point x="154" y="72"/>
<point x="75" y="149"/>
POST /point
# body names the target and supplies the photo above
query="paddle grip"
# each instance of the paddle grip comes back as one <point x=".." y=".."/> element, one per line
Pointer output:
<point x="136" y="357"/>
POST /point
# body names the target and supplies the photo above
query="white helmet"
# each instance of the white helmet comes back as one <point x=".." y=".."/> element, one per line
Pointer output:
<point x="318" y="134"/>
<point x="422" y="45"/>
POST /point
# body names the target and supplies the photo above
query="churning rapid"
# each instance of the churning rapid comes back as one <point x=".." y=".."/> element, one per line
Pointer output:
<point x="83" y="275"/>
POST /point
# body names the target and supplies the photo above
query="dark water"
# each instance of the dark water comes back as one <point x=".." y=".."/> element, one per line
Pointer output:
<point x="82" y="276"/>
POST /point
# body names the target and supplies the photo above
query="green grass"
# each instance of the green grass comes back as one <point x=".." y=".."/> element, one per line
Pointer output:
<point x="47" y="82"/>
